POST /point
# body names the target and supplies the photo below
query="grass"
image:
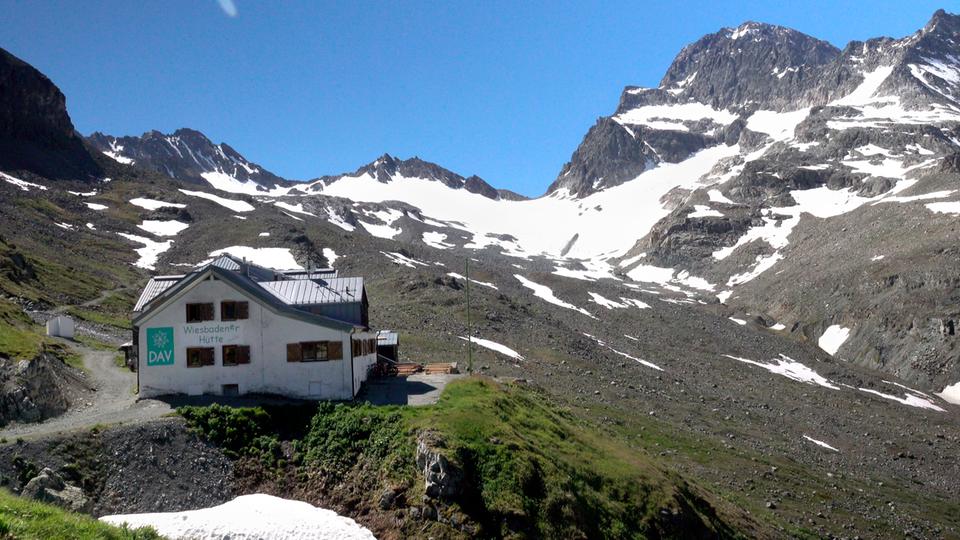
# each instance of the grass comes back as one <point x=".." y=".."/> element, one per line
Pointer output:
<point x="99" y="317"/>
<point x="530" y="469"/>
<point x="20" y="338"/>
<point x="23" y="519"/>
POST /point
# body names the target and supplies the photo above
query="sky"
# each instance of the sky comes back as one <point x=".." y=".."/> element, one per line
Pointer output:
<point x="503" y="90"/>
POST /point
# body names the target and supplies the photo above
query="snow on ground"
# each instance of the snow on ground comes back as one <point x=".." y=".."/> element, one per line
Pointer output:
<point x="380" y="231"/>
<point x="833" y="337"/>
<point x="91" y="226"/>
<point x="623" y="354"/>
<point x="545" y="225"/>
<point x="335" y="219"/>
<point x="83" y="194"/>
<point x="163" y="228"/>
<point x="671" y="117"/>
<point x="779" y="126"/>
<point x="436" y="240"/>
<point x="908" y="398"/>
<point x="717" y="196"/>
<point x="951" y="393"/>
<point x="950" y="207"/>
<point x="95" y="206"/>
<point x="225" y="182"/>
<point x="665" y="276"/>
<point x="484" y="283"/>
<point x="247" y="517"/>
<point x="153" y="204"/>
<point x="605" y="302"/>
<point x="741" y="322"/>
<point x="232" y="204"/>
<point x="494" y="346"/>
<point x="66" y="226"/>
<point x="276" y="258"/>
<point x="820" y="443"/>
<point x="546" y="293"/>
<point x="330" y="255"/>
<point x="295" y="208"/>
<point x="778" y="327"/>
<point x="639" y="304"/>
<point x="702" y="210"/>
<point x="790" y="368"/>
<point x="593" y="270"/>
<point x="150" y="251"/>
<point x="877" y="258"/>
<point x="263" y="234"/>
<point x="118" y="158"/>
<point x="403" y="260"/>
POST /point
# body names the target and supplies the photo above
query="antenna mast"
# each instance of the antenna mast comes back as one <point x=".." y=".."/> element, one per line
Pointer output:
<point x="469" y="327"/>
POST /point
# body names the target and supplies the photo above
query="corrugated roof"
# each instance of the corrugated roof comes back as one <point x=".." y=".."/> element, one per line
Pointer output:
<point x="319" y="273"/>
<point x="387" y="337"/>
<point x="154" y="288"/>
<point x="299" y="292"/>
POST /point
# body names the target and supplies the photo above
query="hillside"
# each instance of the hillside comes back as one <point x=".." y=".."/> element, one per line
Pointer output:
<point x="737" y="303"/>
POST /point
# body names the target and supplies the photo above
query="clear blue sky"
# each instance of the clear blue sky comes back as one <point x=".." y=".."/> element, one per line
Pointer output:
<point x="505" y="90"/>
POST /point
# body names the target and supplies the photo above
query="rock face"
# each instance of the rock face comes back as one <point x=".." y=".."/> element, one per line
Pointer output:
<point x="442" y="478"/>
<point x="37" y="389"/>
<point x="386" y="168"/>
<point x="187" y="155"/>
<point x="36" y="133"/>
<point x="49" y="487"/>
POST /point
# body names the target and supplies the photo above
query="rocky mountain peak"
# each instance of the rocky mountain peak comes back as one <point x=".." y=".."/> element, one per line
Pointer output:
<point x="36" y="133"/>
<point x="188" y="155"/>
<point x="754" y="62"/>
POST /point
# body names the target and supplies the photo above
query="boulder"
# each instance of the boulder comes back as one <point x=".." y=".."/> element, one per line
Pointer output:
<point x="49" y="487"/>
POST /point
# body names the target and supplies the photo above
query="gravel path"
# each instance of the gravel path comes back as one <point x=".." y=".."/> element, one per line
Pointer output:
<point x="113" y="401"/>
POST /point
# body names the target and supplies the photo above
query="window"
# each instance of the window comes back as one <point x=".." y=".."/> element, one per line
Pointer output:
<point x="199" y="312"/>
<point x="231" y="310"/>
<point x="234" y="355"/>
<point x="200" y="356"/>
<point x="314" y="351"/>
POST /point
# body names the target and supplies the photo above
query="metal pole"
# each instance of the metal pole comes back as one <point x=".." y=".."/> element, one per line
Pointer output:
<point x="469" y="327"/>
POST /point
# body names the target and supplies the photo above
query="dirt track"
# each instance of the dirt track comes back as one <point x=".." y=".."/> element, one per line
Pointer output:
<point x="113" y="400"/>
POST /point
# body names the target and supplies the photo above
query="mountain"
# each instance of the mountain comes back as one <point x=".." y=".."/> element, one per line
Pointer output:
<point x="36" y="133"/>
<point x="189" y="155"/>
<point x="387" y="168"/>
<point x="752" y="284"/>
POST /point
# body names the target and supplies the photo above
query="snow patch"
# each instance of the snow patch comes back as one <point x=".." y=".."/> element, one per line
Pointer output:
<point x="912" y="400"/>
<point x="494" y="346"/>
<point x="546" y="293"/>
<point x="791" y="369"/>
<point x="249" y="516"/>
<point x="483" y="283"/>
<point x="163" y="228"/>
<point x="97" y="207"/>
<point x="153" y="204"/>
<point x="150" y="252"/>
<point x="436" y="240"/>
<point x="232" y="204"/>
<point x="833" y="337"/>
<point x="820" y="443"/>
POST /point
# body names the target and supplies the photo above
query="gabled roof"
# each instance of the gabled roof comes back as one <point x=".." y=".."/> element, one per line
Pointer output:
<point x="249" y="286"/>
<point x="154" y="288"/>
<point x="300" y="292"/>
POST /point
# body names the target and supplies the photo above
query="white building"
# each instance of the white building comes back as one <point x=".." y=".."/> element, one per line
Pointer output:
<point x="232" y="327"/>
<point x="60" y="326"/>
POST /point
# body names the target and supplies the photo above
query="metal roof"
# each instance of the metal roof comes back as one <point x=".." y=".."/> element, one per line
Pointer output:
<point x="387" y="337"/>
<point x="256" y="290"/>
<point x="154" y="288"/>
<point x="318" y="273"/>
<point x="299" y="292"/>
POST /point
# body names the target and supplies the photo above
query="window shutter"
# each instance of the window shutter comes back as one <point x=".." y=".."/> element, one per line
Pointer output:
<point x="293" y="352"/>
<point x="243" y="310"/>
<point x="243" y="354"/>
<point x="334" y="350"/>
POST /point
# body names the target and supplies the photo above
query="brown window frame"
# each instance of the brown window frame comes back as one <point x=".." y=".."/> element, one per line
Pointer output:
<point x="240" y="355"/>
<point x="204" y="357"/>
<point x="196" y="311"/>
<point x="332" y="351"/>
<point x="241" y="310"/>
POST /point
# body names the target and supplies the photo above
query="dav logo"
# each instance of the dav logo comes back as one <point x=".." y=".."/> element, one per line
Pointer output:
<point x="160" y="346"/>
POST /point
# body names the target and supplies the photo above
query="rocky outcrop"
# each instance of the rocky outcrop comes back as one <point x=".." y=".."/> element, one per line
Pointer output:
<point x="186" y="154"/>
<point x="36" y="389"/>
<point x="49" y="487"/>
<point x="36" y="133"/>
<point x="442" y="477"/>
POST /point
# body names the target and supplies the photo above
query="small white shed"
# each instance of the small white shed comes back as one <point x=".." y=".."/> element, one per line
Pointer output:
<point x="60" y="326"/>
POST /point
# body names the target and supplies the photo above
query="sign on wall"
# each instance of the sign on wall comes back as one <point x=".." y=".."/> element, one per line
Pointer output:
<point x="160" y="346"/>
